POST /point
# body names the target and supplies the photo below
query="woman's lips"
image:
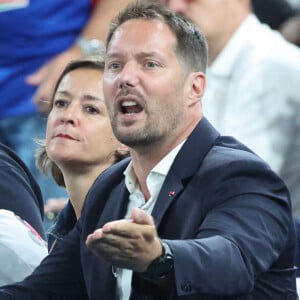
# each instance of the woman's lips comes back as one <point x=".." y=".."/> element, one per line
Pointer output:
<point x="65" y="136"/>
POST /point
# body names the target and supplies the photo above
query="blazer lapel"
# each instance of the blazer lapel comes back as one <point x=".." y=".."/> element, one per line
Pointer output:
<point x="186" y="163"/>
<point x="116" y="205"/>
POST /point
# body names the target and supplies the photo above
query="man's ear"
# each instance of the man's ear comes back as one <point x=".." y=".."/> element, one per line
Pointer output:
<point x="197" y="83"/>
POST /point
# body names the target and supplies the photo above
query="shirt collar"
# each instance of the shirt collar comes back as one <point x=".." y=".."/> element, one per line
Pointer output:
<point x="162" y="168"/>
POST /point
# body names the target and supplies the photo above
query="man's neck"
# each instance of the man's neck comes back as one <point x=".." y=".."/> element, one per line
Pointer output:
<point x="144" y="161"/>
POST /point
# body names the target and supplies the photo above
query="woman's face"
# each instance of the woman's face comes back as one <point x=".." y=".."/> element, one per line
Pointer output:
<point x="78" y="127"/>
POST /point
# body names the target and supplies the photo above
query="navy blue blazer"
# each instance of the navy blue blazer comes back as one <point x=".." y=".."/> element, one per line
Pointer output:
<point x="228" y="222"/>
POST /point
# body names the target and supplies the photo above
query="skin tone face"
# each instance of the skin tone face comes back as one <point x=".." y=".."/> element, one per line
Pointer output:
<point x="146" y="91"/>
<point x="78" y="132"/>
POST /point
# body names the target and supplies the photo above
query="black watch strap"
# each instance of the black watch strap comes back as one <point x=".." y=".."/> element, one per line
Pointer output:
<point x="161" y="266"/>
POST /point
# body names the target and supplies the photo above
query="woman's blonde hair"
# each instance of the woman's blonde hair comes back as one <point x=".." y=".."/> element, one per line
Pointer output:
<point x="43" y="162"/>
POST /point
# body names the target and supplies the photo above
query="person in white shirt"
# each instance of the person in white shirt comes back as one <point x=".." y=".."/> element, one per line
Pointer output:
<point x="21" y="248"/>
<point x="253" y="85"/>
<point x="22" y="233"/>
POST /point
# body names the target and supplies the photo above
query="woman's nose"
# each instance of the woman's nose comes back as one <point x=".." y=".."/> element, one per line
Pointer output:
<point x="66" y="120"/>
<point x="70" y="115"/>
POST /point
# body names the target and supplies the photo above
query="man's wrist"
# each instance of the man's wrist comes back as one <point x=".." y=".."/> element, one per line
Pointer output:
<point x="161" y="266"/>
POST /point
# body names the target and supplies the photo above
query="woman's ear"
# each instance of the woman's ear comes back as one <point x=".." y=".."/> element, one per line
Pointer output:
<point x="197" y="82"/>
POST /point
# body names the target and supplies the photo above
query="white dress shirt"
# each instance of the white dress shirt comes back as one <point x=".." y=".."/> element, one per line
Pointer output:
<point x="253" y="94"/>
<point x="154" y="181"/>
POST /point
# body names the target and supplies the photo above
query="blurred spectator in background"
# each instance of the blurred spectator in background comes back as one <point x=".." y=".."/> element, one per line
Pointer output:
<point x="273" y="12"/>
<point x="290" y="29"/>
<point x="295" y="3"/>
<point x="253" y="84"/>
<point x="282" y="15"/>
<point x="39" y="39"/>
<point x="22" y="245"/>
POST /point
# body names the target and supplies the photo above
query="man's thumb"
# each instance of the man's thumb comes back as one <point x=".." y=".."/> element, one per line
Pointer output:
<point x="139" y="216"/>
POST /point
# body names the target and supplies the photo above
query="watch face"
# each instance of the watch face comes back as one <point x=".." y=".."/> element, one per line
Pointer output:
<point x="160" y="266"/>
<point x="164" y="266"/>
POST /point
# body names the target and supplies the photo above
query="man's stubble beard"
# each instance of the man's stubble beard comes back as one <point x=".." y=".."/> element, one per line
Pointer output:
<point x="145" y="136"/>
<point x="154" y="131"/>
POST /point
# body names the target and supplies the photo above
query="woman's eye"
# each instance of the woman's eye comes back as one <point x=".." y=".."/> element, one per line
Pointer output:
<point x="92" y="110"/>
<point x="60" y="103"/>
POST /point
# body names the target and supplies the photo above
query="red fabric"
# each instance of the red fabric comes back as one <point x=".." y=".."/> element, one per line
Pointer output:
<point x="94" y="2"/>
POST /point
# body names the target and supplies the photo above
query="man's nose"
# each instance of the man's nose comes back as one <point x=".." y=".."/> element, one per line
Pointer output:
<point x="129" y="75"/>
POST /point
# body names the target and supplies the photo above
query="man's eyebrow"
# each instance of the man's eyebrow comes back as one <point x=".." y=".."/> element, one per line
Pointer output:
<point x="114" y="54"/>
<point x="148" y="53"/>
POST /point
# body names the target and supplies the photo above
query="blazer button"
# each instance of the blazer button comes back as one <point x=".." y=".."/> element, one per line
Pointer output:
<point x="186" y="287"/>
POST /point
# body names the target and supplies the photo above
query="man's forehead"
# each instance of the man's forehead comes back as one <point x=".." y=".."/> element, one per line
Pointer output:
<point x="141" y="26"/>
<point x="142" y="32"/>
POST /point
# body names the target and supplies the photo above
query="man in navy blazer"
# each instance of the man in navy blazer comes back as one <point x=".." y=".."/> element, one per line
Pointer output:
<point x="192" y="215"/>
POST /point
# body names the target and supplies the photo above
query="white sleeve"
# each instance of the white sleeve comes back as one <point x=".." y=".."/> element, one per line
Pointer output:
<point x="21" y="248"/>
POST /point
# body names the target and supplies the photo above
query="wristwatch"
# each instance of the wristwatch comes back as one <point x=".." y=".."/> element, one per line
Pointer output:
<point x="162" y="265"/>
<point x="90" y="47"/>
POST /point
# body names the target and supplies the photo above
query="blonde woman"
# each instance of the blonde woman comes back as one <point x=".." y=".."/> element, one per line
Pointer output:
<point x="79" y="143"/>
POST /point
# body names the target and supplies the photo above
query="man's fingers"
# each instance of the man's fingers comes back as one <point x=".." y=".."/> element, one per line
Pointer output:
<point x="139" y="216"/>
<point x="96" y="235"/>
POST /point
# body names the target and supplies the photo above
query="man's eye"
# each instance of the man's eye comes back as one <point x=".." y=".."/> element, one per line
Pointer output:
<point x="114" y="66"/>
<point x="151" y="64"/>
